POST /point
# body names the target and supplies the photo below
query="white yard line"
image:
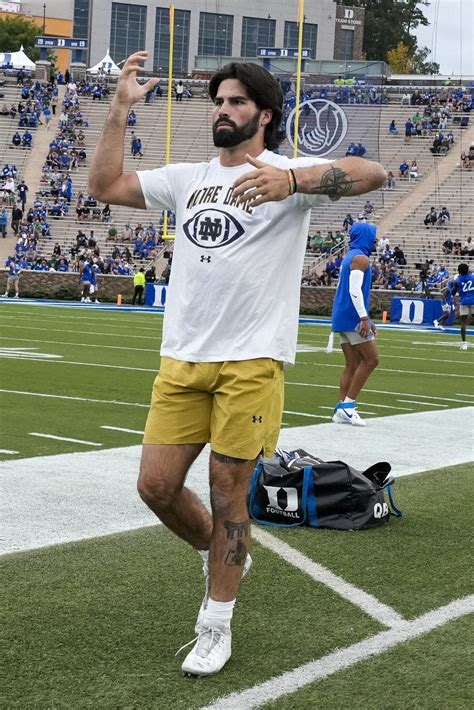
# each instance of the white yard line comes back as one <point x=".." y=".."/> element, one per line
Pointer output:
<point x="423" y="404"/>
<point x="63" y="438"/>
<point x="368" y="603"/>
<point x="78" y="345"/>
<point x="366" y="389"/>
<point x="385" y="406"/>
<point x="129" y="335"/>
<point x="371" y="404"/>
<point x="8" y="451"/>
<point x="118" y="428"/>
<point x="293" y="680"/>
<point x="304" y="414"/>
<point x="78" y="399"/>
<point x="94" y="364"/>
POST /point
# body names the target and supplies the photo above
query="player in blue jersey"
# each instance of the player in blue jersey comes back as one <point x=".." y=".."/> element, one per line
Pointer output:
<point x="464" y="286"/>
<point x="87" y="279"/>
<point x="447" y="306"/>
<point x="350" y="318"/>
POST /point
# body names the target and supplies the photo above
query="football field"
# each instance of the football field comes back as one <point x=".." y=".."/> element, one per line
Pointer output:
<point x="99" y="597"/>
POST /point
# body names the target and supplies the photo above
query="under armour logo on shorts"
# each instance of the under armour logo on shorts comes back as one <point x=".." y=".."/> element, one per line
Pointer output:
<point x="257" y="420"/>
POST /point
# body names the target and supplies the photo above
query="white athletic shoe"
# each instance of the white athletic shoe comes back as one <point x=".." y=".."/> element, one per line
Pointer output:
<point x="437" y="325"/>
<point x="463" y="346"/>
<point x="211" y="652"/>
<point x="348" y="416"/>
<point x="205" y="571"/>
<point x="83" y="300"/>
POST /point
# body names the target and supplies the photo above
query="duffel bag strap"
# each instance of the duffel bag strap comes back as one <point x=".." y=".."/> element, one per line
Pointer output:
<point x="310" y="498"/>
<point x="395" y="510"/>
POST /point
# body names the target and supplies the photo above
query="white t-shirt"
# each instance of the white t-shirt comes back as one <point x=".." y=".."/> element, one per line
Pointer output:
<point x="234" y="288"/>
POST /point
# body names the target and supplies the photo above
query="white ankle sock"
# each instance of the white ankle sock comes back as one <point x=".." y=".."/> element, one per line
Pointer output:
<point x="218" y="613"/>
<point x="348" y="399"/>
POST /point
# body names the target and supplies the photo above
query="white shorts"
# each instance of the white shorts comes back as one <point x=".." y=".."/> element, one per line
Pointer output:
<point x="466" y="309"/>
<point x="350" y="337"/>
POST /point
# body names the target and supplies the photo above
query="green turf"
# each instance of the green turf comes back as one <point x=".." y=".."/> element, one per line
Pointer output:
<point x="114" y="356"/>
<point x="415" y="563"/>
<point x="430" y="672"/>
<point x="96" y="624"/>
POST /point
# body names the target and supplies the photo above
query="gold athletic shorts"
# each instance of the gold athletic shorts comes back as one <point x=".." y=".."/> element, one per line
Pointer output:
<point x="235" y="405"/>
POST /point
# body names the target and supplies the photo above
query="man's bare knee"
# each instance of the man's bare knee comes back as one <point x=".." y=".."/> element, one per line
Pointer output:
<point x="156" y="490"/>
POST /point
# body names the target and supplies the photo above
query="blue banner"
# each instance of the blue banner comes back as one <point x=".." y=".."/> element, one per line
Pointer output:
<point x="155" y="295"/>
<point x="417" y="311"/>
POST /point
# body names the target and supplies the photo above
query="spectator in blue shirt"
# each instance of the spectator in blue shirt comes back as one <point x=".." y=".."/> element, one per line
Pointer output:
<point x="403" y="169"/>
<point x="26" y="139"/>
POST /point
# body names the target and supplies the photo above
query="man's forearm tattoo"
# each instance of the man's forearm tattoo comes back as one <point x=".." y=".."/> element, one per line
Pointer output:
<point x="238" y="529"/>
<point x="335" y="183"/>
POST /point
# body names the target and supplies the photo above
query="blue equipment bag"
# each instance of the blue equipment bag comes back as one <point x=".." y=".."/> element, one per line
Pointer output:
<point x="294" y="488"/>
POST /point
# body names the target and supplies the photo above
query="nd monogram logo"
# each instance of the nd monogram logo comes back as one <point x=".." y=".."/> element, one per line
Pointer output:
<point x="212" y="228"/>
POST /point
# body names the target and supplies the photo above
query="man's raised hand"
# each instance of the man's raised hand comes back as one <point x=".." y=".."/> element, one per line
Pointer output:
<point x="129" y="91"/>
<point x="265" y="184"/>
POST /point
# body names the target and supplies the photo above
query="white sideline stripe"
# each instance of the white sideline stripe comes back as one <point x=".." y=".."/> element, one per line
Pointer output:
<point x="464" y="394"/>
<point x="424" y="404"/>
<point x="8" y="451"/>
<point x="78" y="345"/>
<point x="79" y="399"/>
<point x="371" y="404"/>
<point x="398" y="394"/>
<point x="369" y="604"/>
<point x="293" y="680"/>
<point x="304" y="414"/>
<point x="97" y="364"/>
<point x="386" y="406"/>
<point x="64" y="438"/>
<point x="86" y="332"/>
<point x="118" y="428"/>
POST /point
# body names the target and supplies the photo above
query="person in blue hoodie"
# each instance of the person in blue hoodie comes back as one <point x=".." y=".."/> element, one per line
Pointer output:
<point x="350" y="318"/>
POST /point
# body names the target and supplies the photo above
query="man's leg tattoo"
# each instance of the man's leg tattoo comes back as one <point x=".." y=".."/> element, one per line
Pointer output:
<point x="239" y="531"/>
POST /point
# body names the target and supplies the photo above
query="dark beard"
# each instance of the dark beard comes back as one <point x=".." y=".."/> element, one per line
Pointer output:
<point x="230" y="138"/>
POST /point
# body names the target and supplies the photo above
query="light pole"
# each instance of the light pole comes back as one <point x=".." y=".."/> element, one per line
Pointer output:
<point x="44" y="18"/>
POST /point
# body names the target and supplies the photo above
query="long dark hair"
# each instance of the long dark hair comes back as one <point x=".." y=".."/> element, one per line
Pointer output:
<point x="262" y="88"/>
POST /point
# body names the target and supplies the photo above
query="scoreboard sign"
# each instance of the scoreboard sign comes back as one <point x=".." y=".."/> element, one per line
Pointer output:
<point x="61" y="42"/>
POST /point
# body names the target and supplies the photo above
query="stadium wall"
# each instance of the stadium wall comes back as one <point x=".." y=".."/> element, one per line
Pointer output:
<point x="57" y="286"/>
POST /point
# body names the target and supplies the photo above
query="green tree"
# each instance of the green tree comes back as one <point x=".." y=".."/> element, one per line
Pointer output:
<point x="388" y="22"/>
<point x="419" y="65"/>
<point x="17" y="31"/>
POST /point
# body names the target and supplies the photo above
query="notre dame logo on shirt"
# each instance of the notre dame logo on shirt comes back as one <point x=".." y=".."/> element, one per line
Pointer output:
<point x="211" y="228"/>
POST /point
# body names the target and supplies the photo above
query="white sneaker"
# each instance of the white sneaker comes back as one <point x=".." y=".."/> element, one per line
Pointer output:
<point x="437" y="325"/>
<point x="463" y="346"/>
<point x="83" y="300"/>
<point x="205" y="571"/>
<point x="17" y="295"/>
<point x="211" y="652"/>
<point x="348" y="416"/>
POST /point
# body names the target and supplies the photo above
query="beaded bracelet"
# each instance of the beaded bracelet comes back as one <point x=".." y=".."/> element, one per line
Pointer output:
<point x="291" y="181"/>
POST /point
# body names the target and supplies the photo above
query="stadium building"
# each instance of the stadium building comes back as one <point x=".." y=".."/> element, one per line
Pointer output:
<point x="209" y="34"/>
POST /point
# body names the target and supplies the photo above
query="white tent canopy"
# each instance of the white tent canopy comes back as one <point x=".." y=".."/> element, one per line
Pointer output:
<point x="18" y="60"/>
<point x="105" y="65"/>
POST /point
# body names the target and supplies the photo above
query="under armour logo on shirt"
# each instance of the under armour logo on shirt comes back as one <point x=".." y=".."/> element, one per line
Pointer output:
<point x="205" y="258"/>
